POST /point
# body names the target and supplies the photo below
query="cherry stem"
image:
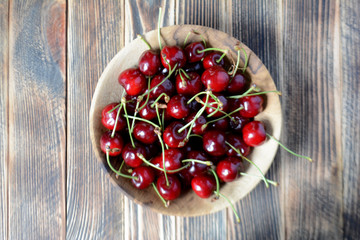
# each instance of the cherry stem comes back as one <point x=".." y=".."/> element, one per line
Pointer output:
<point x="163" y="120"/>
<point x="195" y="135"/>
<point x="144" y="120"/>
<point x="219" y="105"/>
<point x="213" y="49"/>
<point x="113" y="169"/>
<point x="196" y="95"/>
<point x="147" y="96"/>
<point x="158" y="115"/>
<point x="113" y="109"/>
<point x="232" y="206"/>
<point x="207" y="163"/>
<point x="251" y="162"/>
<point x="252" y="175"/>
<point x="187" y="36"/>
<point x="157" y="192"/>
<point x="217" y="193"/>
<point x="116" y="121"/>
<point x="281" y="145"/>
<point x="163" y="158"/>
<point x="254" y="94"/>
<point x="237" y="64"/>
<point x="159" y="23"/>
<point x="246" y="60"/>
<point x="220" y="118"/>
<point x="143" y="39"/>
<point x="127" y="121"/>
<point x="197" y="33"/>
<point x="158" y="168"/>
<point x="222" y="56"/>
<point x="166" y="98"/>
<point x="200" y="101"/>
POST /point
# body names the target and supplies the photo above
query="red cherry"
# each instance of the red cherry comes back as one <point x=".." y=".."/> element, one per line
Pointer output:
<point x="192" y="51"/>
<point x="203" y="185"/>
<point x="173" y="55"/>
<point x="151" y="150"/>
<point x="166" y="87"/>
<point x="173" y="157"/>
<point x="222" y="124"/>
<point x="238" y="122"/>
<point x="215" y="78"/>
<point x="214" y="142"/>
<point x="192" y="85"/>
<point x="227" y="169"/>
<point x="185" y="178"/>
<point x="133" y="81"/>
<point x="115" y="143"/>
<point x="198" y="124"/>
<point x="131" y="102"/>
<point x="129" y="154"/>
<point x="237" y="142"/>
<point x="254" y="133"/>
<point x="253" y="105"/>
<point x="212" y="103"/>
<point x="145" y="177"/>
<point x="170" y="192"/>
<point x="149" y="63"/>
<point x="147" y="112"/>
<point x="172" y="137"/>
<point x="144" y="132"/>
<point x="237" y="85"/>
<point x="177" y="107"/>
<point x="195" y="168"/>
<point x="211" y="59"/>
<point x="108" y="119"/>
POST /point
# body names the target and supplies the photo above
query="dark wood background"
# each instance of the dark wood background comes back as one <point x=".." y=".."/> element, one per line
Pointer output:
<point x="53" y="52"/>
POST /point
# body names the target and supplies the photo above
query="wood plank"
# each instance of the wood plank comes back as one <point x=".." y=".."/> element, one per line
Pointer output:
<point x="95" y="206"/>
<point x="256" y="24"/>
<point x="312" y="193"/>
<point x="37" y="120"/>
<point x="350" y="49"/>
<point x="4" y="64"/>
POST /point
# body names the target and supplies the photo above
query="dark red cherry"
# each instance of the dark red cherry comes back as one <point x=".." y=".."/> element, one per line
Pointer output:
<point x="177" y="107"/>
<point x="228" y="169"/>
<point x="212" y="103"/>
<point x="215" y="78"/>
<point x="192" y="51"/>
<point x="237" y="85"/>
<point x="194" y="67"/>
<point x="133" y="81"/>
<point x="172" y="137"/>
<point x="166" y="87"/>
<point x="147" y="112"/>
<point x="152" y="150"/>
<point x="145" y="176"/>
<point x="222" y="124"/>
<point x="170" y="192"/>
<point x="185" y="178"/>
<point x="194" y="143"/>
<point x="198" y="124"/>
<point x="194" y="106"/>
<point x="144" y="132"/>
<point x="254" y="133"/>
<point x="129" y="154"/>
<point x="149" y="63"/>
<point x="131" y="102"/>
<point x="108" y="119"/>
<point x="203" y="185"/>
<point x="237" y="142"/>
<point x="214" y="142"/>
<point x="114" y="143"/>
<point x="172" y="55"/>
<point x="190" y="86"/>
<point x="253" y="105"/>
<point x="173" y="157"/>
<point x="196" y="169"/>
<point x="211" y="59"/>
<point x="238" y="122"/>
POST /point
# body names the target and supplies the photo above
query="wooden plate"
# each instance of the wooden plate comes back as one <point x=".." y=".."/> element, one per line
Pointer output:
<point x="109" y="90"/>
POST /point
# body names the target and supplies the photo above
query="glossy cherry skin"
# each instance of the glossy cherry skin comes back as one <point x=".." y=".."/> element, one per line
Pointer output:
<point x="108" y="119"/>
<point x="172" y="137"/>
<point x="145" y="177"/>
<point x="228" y="169"/>
<point x="192" y="51"/>
<point x="214" y="142"/>
<point x="190" y="86"/>
<point x="215" y="78"/>
<point x="211" y="58"/>
<point x="198" y="125"/>
<point x="147" y="112"/>
<point x="237" y="85"/>
<point x="203" y="185"/>
<point x="238" y="142"/>
<point x="238" y="122"/>
<point x="196" y="169"/>
<point x="185" y="178"/>
<point x="149" y="63"/>
<point x="129" y="154"/>
<point x="115" y="144"/>
<point x="144" y="132"/>
<point x="133" y="81"/>
<point x="194" y="67"/>
<point x="254" y="133"/>
<point x="166" y="87"/>
<point x="177" y="107"/>
<point x="173" y="55"/>
<point x="222" y="124"/>
<point x="212" y="103"/>
<point x="253" y="105"/>
<point x="170" y="192"/>
<point x="173" y="157"/>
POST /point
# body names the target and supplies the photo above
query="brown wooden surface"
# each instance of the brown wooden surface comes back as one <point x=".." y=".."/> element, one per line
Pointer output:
<point x="51" y="56"/>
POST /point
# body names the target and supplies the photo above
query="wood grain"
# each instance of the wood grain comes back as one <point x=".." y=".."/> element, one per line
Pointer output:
<point x="36" y="120"/>
<point x="4" y="64"/>
<point x="349" y="69"/>
<point x="95" y="209"/>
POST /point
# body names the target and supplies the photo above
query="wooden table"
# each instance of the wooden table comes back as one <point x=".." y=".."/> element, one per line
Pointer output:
<point x="51" y="56"/>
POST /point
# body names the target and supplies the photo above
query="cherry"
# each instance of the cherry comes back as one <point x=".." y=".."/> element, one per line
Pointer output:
<point x="215" y="78"/>
<point x="172" y="55"/>
<point x="149" y="63"/>
<point x="197" y="168"/>
<point x="194" y="143"/>
<point x="170" y="192"/>
<point x="214" y="142"/>
<point x="133" y="81"/>
<point x="172" y="137"/>
<point x="108" y="119"/>
<point x="192" y="51"/>
<point x="194" y="67"/>
<point x="173" y="157"/>
<point x="254" y="133"/>
<point x="185" y="178"/>
<point x="147" y="112"/>
<point x="129" y="154"/>
<point x="237" y="85"/>
<point x="227" y="169"/>
<point x="166" y="87"/>
<point x="145" y="176"/>
<point x="198" y="124"/>
<point x="222" y="124"/>
<point x="253" y="105"/>
<point x="177" y="107"/>
<point x="188" y="86"/>
<point x="212" y="103"/>
<point x="131" y="102"/>
<point x="115" y="144"/>
<point x="194" y="106"/>
<point x="238" y="122"/>
<point x="144" y="132"/>
<point x="237" y="142"/>
<point x="211" y="59"/>
<point x="151" y="150"/>
<point x="203" y="185"/>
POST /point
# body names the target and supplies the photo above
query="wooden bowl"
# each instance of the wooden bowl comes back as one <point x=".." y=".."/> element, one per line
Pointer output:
<point x="109" y="90"/>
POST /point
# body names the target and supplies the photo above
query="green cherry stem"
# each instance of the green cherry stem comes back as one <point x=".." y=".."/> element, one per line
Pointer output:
<point x="255" y="94"/>
<point x="113" y="109"/>
<point x="143" y="39"/>
<point x="213" y="49"/>
<point x="252" y="175"/>
<point x="144" y="120"/>
<point x="158" y="168"/>
<point x="217" y="193"/>
<point x="163" y="120"/>
<point x="128" y="122"/>
<point x="116" y="121"/>
<point x="159" y="23"/>
<point x="232" y="206"/>
<point x="147" y="96"/>
<point x="288" y="150"/>
<point x="207" y="163"/>
<point x="113" y="169"/>
<point x="166" y="97"/>
<point x="195" y="135"/>
<point x="246" y="60"/>
<point x="187" y="36"/>
<point x="200" y="101"/>
<point x="157" y="192"/>
<point x="196" y="95"/>
<point x="222" y="56"/>
<point x="237" y="63"/>
<point x="163" y="158"/>
<point x="222" y="117"/>
<point x="158" y="115"/>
